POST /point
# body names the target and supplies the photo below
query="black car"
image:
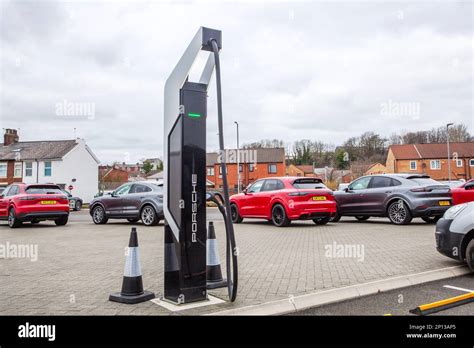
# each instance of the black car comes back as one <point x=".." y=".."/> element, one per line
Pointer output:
<point x="400" y="197"/>
<point x="75" y="203"/>
<point x="132" y="201"/>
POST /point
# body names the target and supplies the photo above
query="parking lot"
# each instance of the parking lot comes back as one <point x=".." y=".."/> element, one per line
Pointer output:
<point x="80" y="264"/>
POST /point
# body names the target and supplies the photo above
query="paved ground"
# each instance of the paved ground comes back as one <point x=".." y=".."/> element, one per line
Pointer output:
<point x="80" y="264"/>
<point x="399" y="302"/>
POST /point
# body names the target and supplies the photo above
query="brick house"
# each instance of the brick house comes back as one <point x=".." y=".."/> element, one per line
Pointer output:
<point x="300" y="170"/>
<point x="432" y="159"/>
<point x="111" y="177"/>
<point x="376" y="168"/>
<point x="254" y="164"/>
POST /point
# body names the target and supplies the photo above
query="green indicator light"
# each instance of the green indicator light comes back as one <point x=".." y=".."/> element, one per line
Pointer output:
<point x="190" y="114"/>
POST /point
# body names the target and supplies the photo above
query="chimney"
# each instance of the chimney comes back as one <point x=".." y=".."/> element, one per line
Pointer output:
<point x="10" y="137"/>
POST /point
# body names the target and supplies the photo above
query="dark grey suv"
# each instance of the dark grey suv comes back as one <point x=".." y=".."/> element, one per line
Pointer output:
<point x="132" y="201"/>
<point x="400" y="197"/>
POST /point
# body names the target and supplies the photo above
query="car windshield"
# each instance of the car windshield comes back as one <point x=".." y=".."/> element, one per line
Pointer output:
<point x="43" y="190"/>
<point x="308" y="184"/>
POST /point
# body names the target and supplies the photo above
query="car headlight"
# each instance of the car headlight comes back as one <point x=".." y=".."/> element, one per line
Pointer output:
<point x="454" y="211"/>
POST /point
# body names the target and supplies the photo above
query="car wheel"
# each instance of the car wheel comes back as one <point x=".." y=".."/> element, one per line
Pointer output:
<point x="61" y="221"/>
<point x="13" y="221"/>
<point x="431" y="219"/>
<point x="133" y="220"/>
<point x="279" y="217"/>
<point x="322" y="221"/>
<point x="234" y="212"/>
<point x="336" y="217"/>
<point x="470" y="255"/>
<point x="362" y="218"/>
<point x="78" y="205"/>
<point x="399" y="214"/>
<point x="149" y="216"/>
<point x="98" y="215"/>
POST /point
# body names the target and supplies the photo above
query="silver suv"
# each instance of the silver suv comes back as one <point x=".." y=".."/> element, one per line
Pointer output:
<point x="400" y="197"/>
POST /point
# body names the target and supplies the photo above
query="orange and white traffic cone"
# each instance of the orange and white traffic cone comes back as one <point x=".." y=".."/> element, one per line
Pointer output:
<point x="132" y="285"/>
<point x="213" y="264"/>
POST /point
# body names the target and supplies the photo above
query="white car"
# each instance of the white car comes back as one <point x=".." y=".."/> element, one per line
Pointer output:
<point x="455" y="233"/>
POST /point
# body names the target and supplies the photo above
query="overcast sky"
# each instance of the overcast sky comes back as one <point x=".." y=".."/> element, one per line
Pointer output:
<point x="291" y="70"/>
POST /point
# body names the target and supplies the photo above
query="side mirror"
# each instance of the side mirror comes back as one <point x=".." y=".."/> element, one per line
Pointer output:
<point x="346" y="189"/>
<point x="244" y="191"/>
<point x="113" y="194"/>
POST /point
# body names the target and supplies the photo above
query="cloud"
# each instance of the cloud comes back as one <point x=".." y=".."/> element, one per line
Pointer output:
<point x="311" y="70"/>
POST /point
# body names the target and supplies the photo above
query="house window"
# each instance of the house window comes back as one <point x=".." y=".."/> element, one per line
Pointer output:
<point x="3" y="170"/>
<point x="47" y="168"/>
<point x="29" y="169"/>
<point x="210" y="171"/>
<point x="251" y="167"/>
<point x="412" y="165"/>
<point x="18" y="170"/>
<point x="471" y="162"/>
<point x="435" y="164"/>
<point x="240" y="168"/>
<point x="272" y="169"/>
<point x="459" y="163"/>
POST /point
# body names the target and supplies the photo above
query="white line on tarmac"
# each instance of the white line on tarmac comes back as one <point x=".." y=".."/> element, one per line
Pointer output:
<point x="456" y="288"/>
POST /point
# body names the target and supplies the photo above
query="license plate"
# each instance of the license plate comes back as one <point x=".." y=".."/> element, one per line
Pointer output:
<point x="319" y="198"/>
<point x="444" y="203"/>
<point x="48" y="202"/>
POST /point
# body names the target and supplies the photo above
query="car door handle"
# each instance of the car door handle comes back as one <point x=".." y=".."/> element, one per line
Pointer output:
<point x="388" y="191"/>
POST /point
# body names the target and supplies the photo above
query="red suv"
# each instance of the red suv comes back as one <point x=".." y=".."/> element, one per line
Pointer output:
<point x="36" y="202"/>
<point x="283" y="199"/>
<point x="463" y="193"/>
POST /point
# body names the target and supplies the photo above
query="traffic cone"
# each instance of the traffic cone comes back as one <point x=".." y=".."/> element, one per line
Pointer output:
<point x="213" y="264"/>
<point x="132" y="286"/>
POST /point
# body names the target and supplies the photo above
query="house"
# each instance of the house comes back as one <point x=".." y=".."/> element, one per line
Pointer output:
<point x="253" y="164"/>
<point x="67" y="163"/>
<point x="158" y="176"/>
<point x="376" y="168"/>
<point x="156" y="163"/>
<point x="432" y="159"/>
<point x="300" y="170"/>
<point x="111" y="177"/>
<point x="133" y="168"/>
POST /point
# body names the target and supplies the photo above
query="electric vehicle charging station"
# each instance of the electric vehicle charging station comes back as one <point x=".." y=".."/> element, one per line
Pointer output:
<point x="184" y="179"/>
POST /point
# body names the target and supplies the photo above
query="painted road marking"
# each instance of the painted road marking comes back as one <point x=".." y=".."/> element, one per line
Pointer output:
<point x="457" y="288"/>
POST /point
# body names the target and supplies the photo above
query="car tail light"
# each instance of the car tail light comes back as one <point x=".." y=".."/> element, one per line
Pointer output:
<point x="421" y="189"/>
<point x="28" y="198"/>
<point x="297" y="194"/>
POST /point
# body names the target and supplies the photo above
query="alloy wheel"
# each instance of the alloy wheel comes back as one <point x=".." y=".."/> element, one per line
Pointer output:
<point x="278" y="215"/>
<point x="98" y="214"/>
<point x="397" y="213"/>
<point x="11" y="218"/>
<point x="148" y="215"/>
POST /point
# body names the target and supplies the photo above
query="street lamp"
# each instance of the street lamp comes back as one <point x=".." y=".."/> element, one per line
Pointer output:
<point x="238" y="158"/>
<point x="449" y="151"/>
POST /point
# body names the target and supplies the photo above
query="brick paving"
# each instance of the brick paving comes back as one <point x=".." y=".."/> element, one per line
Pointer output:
<point x="80" y="264"/>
